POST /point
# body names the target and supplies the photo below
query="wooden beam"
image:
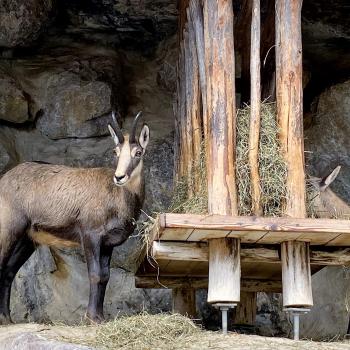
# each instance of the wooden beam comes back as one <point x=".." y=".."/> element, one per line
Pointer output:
<point x="245" y="312"/>
<point x="252" y="223"/>
<point x="189" y="251"/>
<point x="202" y="283"/>
<point x="184" y="301"/>
<point x="255" y="105"/>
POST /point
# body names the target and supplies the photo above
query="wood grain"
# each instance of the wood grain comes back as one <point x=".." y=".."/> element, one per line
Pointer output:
<point x="255" y="102"/>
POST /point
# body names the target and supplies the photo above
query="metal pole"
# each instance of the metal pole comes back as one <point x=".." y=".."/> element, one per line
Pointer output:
<point x="296" y="325"/>
<point x="224" y="319"/>
<point x="296" y="312"/>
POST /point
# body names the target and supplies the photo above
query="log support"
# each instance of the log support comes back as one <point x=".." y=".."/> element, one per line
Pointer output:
<point x="224" y="253"/>
<point x="246" y="309"/>
<point x="296" y="275"/>
<point x="184" y="301"/>
<point x="295" y="256"/>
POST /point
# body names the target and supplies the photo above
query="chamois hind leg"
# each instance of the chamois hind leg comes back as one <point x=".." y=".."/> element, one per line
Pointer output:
<point x="12" y="232"/>
<point x="98" y="258"/>
<point x="22" y="251"/>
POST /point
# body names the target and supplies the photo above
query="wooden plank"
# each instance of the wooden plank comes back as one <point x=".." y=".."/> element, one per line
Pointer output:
<point x="188" y="251"/>
<point x="202" y="235"/>
<point x="248" y="285"/>
<point x="252" y="223"/>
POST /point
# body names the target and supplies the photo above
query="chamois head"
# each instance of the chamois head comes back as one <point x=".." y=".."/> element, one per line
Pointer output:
<point x="322" y="184"/>
<point x="129" y="150"/>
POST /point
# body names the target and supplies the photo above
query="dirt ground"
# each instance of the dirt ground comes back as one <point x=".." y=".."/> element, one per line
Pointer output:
<point x="200" y="341"/>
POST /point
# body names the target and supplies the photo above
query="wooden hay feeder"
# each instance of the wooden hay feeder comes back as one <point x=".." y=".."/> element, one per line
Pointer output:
<point x="235" y="257"/>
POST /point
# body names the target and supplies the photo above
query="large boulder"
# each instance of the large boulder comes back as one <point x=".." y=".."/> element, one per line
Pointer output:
<point x="74" y="107"/>
<point x="13" y="102"/>
<point x="21" y="22"/>
<point x="328" y="141"/>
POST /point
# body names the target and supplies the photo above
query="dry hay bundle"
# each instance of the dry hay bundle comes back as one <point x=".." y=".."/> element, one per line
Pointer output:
<point x="272" y="167"/>
<point x="198" y="202"/>
<point x="145" y="331"/>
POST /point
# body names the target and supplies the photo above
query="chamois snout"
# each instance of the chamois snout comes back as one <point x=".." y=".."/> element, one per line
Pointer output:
<point x="129" y="150"/>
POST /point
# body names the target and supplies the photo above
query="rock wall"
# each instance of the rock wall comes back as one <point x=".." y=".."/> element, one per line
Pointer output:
<point x="56" y="110"/>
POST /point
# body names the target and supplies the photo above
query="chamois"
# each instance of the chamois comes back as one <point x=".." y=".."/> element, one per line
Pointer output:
<point x="63" y="206"/>
<point x="326" y="204"/>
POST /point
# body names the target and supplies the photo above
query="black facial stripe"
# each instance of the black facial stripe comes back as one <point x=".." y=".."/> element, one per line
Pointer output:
<point x="132" y="165"/>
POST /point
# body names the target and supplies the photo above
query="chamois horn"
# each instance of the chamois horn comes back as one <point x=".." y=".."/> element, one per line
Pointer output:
<point x="134" y="126"/>
<point x="117" y="129"/>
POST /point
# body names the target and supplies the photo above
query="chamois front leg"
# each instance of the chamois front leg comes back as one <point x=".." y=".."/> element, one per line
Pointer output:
<point x="98" y="258"/>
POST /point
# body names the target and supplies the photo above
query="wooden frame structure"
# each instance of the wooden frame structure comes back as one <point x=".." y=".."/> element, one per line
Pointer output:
<point x="235" y="257"/>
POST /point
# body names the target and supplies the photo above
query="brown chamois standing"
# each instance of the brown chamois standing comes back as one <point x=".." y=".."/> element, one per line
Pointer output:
<point x="62" y="206"/>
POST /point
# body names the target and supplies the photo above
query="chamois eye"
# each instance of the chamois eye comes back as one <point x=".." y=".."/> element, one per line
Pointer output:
<point x="116" y="152"/>
<point x="138" y="154"/>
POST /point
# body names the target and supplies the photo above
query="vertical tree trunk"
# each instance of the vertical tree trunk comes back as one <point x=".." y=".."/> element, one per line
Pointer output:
<point x="195" y="104"/>
<point x="255" y="98"/>
<point x="290" y="101"/>
<point x="224" y="258"/>
<point x="184" y="301"/>
<point x="196" y="15"/>
<point x="188" y="115"/>
<point x="220" y="73"/>
<point x="295" y="258"/>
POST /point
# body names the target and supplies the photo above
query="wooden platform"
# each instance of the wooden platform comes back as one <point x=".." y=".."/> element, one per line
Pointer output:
<point x="258" y="230"/>
<point x="178" y="252"/>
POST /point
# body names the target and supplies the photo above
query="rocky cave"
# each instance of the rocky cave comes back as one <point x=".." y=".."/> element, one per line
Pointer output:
<point x="64" y="65"/>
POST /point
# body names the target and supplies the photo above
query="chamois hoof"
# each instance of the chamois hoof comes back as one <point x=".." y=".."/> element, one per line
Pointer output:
<point x="94" y="319"/>
<point x="5" y="320"/>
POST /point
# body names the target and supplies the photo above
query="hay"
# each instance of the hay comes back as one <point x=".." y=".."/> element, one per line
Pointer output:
<point x="272" y="167"/>
<point x="198" y="202"/>
<point x="145" y="331"/>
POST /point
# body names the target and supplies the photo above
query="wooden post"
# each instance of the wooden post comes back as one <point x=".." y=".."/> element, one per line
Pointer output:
<point x="246" y="309"/>
<point x="255" y="100"/>
<point x="224" y="271"/>
<point x="184" y="301"/>
<point x="224" y="258"/>
<point x="295" y="257"/>
<point x="296" y="274"/>
<point x="196" y="15"/>
<point x="194" y="103"/>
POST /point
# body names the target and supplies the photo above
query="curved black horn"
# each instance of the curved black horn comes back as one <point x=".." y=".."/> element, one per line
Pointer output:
<point x="117" y="128"/>
<point x="134" y="127"/>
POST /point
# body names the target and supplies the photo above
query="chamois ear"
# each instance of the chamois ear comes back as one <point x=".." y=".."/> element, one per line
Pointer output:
<point x="144" y="136"/>
<point x="113" y="134"/>
<point x="326" y="181"/>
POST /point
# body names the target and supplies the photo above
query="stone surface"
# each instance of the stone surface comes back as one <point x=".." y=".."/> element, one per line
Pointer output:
<point x="53" y="284"/>
<point x="13" y="103"/>
<point x="21" y="22"/>
<point x="29" y="341"/>
<point x="328" y="138"/>
<point x="329" y="316"/>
